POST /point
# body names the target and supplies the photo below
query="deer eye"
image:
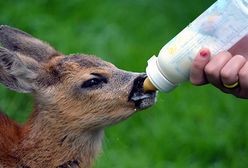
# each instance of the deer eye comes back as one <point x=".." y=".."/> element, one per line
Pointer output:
<point x="94" y="82"/>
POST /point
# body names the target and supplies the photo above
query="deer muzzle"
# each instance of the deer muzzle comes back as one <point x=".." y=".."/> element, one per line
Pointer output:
<point x="141" y="98"/>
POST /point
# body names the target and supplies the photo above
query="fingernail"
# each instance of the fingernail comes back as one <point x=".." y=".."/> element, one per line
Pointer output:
<point x="204" y="53"/>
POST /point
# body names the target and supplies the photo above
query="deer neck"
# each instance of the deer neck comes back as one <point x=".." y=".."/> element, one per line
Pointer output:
<point x="49" y="142"/>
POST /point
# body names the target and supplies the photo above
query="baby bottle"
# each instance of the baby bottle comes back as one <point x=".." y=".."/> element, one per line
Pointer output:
<point x="218" y="28"/>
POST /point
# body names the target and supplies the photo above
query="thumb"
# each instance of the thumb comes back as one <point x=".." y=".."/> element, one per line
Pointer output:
<point x="197" y="74"/>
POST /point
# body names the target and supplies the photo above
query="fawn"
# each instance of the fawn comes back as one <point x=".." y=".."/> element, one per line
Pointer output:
<point x="76" y="97"/>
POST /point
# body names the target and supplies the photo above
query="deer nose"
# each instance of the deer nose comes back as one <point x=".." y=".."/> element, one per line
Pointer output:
<point x="137" y="94"/>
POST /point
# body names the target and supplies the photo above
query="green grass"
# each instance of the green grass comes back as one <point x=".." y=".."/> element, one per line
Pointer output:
<point x="192" y="127"/>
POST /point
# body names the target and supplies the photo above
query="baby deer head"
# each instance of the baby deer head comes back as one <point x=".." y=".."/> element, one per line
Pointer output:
<point x="76" y="96"/>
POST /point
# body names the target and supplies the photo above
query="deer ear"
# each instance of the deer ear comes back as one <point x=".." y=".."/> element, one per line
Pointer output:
<point x="18" y="72"/>
<point x="19" y="41"/>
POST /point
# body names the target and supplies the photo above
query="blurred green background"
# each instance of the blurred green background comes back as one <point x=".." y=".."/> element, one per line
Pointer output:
<point x="192" y="127"/>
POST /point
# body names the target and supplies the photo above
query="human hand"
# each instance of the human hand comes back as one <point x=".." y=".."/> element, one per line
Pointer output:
<point x="225" y="68"/>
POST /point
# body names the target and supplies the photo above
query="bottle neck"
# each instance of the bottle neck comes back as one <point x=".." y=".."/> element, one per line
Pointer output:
<point x="148" y="86"/>
<point x="156" y="77"/>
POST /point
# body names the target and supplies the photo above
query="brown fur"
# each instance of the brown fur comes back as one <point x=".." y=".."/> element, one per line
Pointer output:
<point x="66" y="127"/>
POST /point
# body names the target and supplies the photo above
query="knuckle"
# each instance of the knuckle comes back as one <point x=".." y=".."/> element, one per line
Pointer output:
<point x="240" y="58"/>
<point x="197" y="65"/>
<point x="210" y="70"/>
<point x="225" y="54"/>
<point x="226" y="75"/>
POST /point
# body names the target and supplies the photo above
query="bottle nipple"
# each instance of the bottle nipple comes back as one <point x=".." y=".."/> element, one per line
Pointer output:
<point x="148" y="86"/>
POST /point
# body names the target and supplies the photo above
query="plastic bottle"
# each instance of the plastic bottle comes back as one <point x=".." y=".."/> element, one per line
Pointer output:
<point x="218" y="28"/>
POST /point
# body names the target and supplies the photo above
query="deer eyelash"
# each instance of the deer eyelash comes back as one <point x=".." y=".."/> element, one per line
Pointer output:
<point x="96" y="81"/>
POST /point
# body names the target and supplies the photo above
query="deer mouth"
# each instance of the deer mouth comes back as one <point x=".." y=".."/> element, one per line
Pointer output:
<point x="140" y="98"/>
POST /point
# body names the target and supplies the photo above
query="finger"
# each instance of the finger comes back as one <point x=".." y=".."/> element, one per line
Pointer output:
<point x="197" y="74"/>
<point x="213" y="68"/>
<point x="243" y="81"/>
<point x="229" y="73"/>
